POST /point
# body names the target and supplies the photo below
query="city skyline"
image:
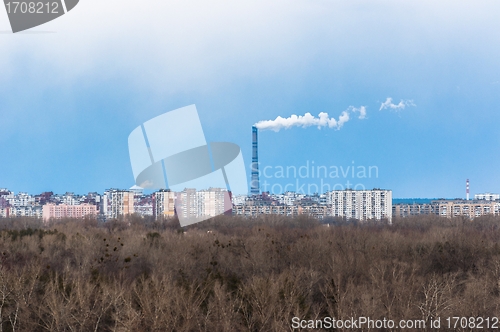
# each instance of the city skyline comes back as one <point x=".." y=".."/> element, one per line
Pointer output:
<point x="480" y="195"/>
<point x="191" y="206"/>
<point x="72" y="90"/>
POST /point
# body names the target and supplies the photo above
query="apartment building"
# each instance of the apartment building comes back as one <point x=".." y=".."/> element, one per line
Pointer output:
<point x="24" y="211"/>
<point x="449" y="208"/>
<point x="361" y="204"/>
<point x="316" y="211"/>
<point x="116" y="203"/>
<point x="163" y="204"/>
<point x="255" y="210"/>
<point x="467" y="208"/>
<point x="59" y="211"/>
<point x="192" y="203"/>
<point x="413" y="209"/>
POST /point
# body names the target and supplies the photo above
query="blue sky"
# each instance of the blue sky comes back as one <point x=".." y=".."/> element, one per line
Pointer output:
<point x="71" y="93"/>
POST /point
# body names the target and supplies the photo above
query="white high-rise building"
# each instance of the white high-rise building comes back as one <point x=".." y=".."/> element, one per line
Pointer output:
<point x="361" y="204"/>
<point x="117" y="203"/>
<point x="163" y="204"/>
<point x="192" y="203"/>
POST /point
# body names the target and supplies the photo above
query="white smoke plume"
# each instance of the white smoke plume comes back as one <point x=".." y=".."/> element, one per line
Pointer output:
<point x="307" y="120"/>
<point x="361" y="110"/>
<point x="397" y="107"/>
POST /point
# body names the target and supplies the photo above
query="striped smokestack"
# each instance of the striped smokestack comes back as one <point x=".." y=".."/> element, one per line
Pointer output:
<point x="255" y="186"/>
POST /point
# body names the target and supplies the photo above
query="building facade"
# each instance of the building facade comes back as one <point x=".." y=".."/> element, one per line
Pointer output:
<point x="449" y="208"/>
<point x="413" y="209"/>
<point x="116" y="203"/>
<point x="361" y="204"/>
<point x="315" y="210"/>
<point x="349" y="204"/>
<point x="25" y="211"/>
<point x="163" y="204"/>
<point x="193" y="204"/>
<point x="54" y="211"/>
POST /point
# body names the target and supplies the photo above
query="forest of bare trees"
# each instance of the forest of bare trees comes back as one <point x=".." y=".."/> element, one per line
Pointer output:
<point x="235" y="274"/>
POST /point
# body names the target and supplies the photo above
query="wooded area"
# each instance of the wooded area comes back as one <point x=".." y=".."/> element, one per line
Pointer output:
<point x="236" y="274"/>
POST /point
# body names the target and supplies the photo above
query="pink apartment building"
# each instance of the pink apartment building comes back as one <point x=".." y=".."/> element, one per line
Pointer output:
<point x="53" y="211"/>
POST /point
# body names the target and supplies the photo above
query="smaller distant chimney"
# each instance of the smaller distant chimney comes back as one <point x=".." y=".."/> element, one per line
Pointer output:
<point x="467" y="189"/>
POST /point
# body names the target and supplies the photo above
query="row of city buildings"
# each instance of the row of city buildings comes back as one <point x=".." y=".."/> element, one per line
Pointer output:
<point x="375" y="204"/>
<point x="481" y="205"/>
<point x="346" y="204"/>
<point x="113" y="203"/>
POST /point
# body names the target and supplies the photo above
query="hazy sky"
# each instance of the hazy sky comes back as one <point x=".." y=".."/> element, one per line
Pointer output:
<point x="72" y="90"/>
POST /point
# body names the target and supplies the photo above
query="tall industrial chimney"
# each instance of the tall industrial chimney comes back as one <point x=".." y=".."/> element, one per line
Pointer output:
<point x="467" y="189"/>
<point x="255" y="186"/>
